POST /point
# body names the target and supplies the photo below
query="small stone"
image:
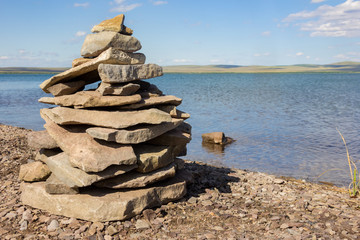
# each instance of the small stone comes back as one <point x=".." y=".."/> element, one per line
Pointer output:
<point x="35" y="171"/>
<point x="141" y="225"/>
<point x="27" y="216"/>
<point x="192" y="200"/>
<point x="107" y="237"/>
<point x="120" y="89"/>
<point x="115" y="24"/>
<point x="279" y="181"/>
<point x="23" y="226"/>
<point x="214" y="137"/>
<point x="66" y="88"/>
<point x="53" y="226"/>
<point x="111" y="230"/>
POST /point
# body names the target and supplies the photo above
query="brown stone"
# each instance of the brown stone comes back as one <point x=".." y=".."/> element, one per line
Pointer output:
<point x="175" y="113"/>
<point x="86" y="99"/>
<point x="115" y="24"/>
<point x="34" y="171"/>
<point x="117" y="89"/>
<point x="133" y="135"/>
<point x="43" y="154"/>
<point x="214" y="137"/>
<point x="66" y="88"/>
<point x="173" y="137"/>
<point x="86" y="153"/>
<point x="110" y="56"/>
<point x="99" y="205"/>
<point x="152" y="157"/>
<point x="137" y="180"/>
<point x="117" y="119"/>
<point x="154" y="101"/>
<point x="40" y="139"/>
<point x="54" y="186"/>
<point x="78" y="61"/>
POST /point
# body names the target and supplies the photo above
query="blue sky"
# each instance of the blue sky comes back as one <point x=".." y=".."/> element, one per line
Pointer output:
<point x="50" y="33"/>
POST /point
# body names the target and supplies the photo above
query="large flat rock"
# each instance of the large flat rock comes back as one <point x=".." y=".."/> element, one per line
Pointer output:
<point x="110" y="56"/>
<point x="99" y="205"/>
<point x="40" y="139"/>
<point x="96" y="43"/>
<point x="151" y="157"/>
<point x="118" y="89"/>
<point x="116" y="119"/>
<point x="86" y="153"/>
<point x="111" y="73"/>
<point x="137" y="180"/>
<point x="75" y="177"/>
<point x="86" y="99"/>
<point x="154" y="101"/>
<point x="133" y="135"/>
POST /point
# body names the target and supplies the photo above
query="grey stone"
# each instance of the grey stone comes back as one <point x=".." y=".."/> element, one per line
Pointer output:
<point x="54" y="186"/>
<point x="110" y="56"/>
<point x="151" y="157"/>
<point x="86" y="99"/>
<point x="133" y="135"/>
<point x="101" y="205"/>
<point x="116" y="119"/>
<point x="117" y="89"/>
<point x="75" y="177"/>
<point x="40" y="139"/>
<point x="53" y="226"/>
<point x="136" y="180"/>
<point x="96" y="43"/>
<point x="86" y="153"/>
<point x="111" y="73"/>
<point x="141" y="224"/>
<point x="153" y="101"/>
<point x="43" y="154"/>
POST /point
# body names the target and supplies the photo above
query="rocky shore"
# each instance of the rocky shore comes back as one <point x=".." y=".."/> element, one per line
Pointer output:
<point x="221" y="203"/>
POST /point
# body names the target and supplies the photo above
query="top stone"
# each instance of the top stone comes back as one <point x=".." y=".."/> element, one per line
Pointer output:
<point x="115" y="24"/>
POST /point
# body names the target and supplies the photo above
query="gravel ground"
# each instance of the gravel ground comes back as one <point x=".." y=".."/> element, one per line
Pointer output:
<point x="221" y="203"/>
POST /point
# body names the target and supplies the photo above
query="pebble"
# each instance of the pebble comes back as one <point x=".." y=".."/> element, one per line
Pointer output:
<point x="23" y="225"/>
<point x="141" y="225"/>
<point x="53" y="226"/>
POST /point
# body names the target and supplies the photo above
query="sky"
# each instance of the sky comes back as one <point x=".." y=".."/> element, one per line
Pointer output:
<point x="50" y="33"/>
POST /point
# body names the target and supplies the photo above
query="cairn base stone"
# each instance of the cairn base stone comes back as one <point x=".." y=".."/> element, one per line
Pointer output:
<point x="101" y="205"/>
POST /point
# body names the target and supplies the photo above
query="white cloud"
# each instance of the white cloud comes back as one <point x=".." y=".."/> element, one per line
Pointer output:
<point x="80" y="33"/>
<point x="182" y="60"/>
<point x="349" y="56"/>
<point x="342" y="20"/>
<point x="156" y="3"/>
<point x="317" y="1"/>
<point x="84" y="5"/>
<point x="4" y="57"/>
<point x="266" y="33"/>
<point x="299" y="54"/>
<point x="124" y="6"/>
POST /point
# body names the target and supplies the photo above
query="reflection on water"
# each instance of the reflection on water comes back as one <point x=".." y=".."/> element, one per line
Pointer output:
<point x="283" y="123"/>
<point x="213" y="148"/>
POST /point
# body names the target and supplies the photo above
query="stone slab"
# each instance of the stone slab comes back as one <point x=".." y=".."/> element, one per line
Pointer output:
<point x="54" y="186"/>
<point x="40" y="139"/>
<point x="137" y="180"/>
<point x="173" y="137"/>
<point x="134" y="135"/>
<point x="43" y="154"/>
<point x="97" y="205"/>
<point x="96" y="43"/>
<point x="173" y="111"/>
<point x="78" y="61"/>
<point x="88" y="99"/>
<point x="153" y="101"/>
<point x="117" y="89"/>
<point x="86" y="153"/>
<point x="115" y="24"/>
<point x="34" y="171"/>
<point x="74" y="177"/>
<point x="66" y="88"/>
<point x="110" y="56"/>
<point x="111" y="73"/>
<point x="151" y="157"/>
<point x="116" y="119"/>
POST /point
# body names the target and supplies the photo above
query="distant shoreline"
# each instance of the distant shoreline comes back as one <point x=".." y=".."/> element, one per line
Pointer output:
<point x="340" y="67"/>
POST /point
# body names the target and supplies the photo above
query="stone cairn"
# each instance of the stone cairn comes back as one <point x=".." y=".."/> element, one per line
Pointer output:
<point x="110" y="152"/>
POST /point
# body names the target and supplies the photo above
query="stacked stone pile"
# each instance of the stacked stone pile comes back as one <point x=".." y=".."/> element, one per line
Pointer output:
<point x="110" y="152"/>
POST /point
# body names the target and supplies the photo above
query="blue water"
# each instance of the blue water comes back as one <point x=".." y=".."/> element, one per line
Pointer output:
<point x="283" y="124"/>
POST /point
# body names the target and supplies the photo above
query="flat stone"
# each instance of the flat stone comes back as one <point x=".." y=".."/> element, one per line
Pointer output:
<point x="111" y="73"/>
<point x="100" y="205"/>
<point x="136" y="179"/>
<point x="86" y="153"/>
<point x="110" y="56"/>
<point x="66" y="87"/>
<point x="40" y="139"/>
<point x="85" y="99"/>
<point x="54" y="186"/>
<point x="133" y="135"/>
<point x="173" y="111"/>
<point x="142" y="224"/>
<point x="173" y="137"/>
<point x="151" y="157"/>
<point x="43" y="153"/>
<point x="153" y="101"/>
<point x="185" y="127"/>
<point x="216" y="137"/>
<point x="117" y="89"/>
<point x="34" y="171"/>
<point x="75" y="177"/>
<point x="115" y="24"/>
<point x="78" y="61"/>
<point x="116" y="119"/>
<point x="96" y="43"/>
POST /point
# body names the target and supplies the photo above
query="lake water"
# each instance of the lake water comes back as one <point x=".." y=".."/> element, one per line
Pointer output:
<point x="284" y="124"/>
